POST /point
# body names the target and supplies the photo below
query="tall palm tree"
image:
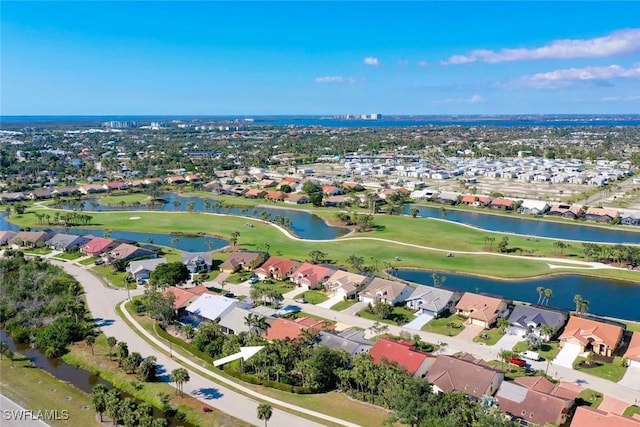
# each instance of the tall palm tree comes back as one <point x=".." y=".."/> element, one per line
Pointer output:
<point x="548" y="294"/>
<point x="504" y="355"/>
<point x="540" y="290"/>
<point x="265" y="411"/>
<point x="546" y="332"/>
<point x="584" y="307"/>
<point x="180" y="376"/>
<point x="577" y="299"/>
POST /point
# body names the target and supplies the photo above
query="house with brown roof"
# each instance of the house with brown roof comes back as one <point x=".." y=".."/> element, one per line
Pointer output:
<point x="277" y="268"/>
<point x="383" y="290"/>
<point x="242" y="260"/>
<point x="586" y="416"/>
<point x="601" y="214"/>
<point x="125" y="251"/>
<point x="337" y="201"/>
<point x="344" y="284"/>
<point x="633" y="351"/>
<point x="93" y="188"/>
<point x="275" y="196"/>
<point x="98" y="246"/>
<point x="473" y="200"/>
<point x="566" y="211"/>
<point x="481" y="309"/>
<point x="286" y="329"/>
<point x="534" y="404"/>
<point x="502" y="204"/>
<point x="591" y="335"/>
<point x="175" y="179"/>
<point x="6" y="236"/>
<point x="311" y="276"/>
<point x="182" y="297"/>
<point x="331" y="190"/>
<point x="255" y="193"/>
<point x="464" y="373"/>
<point x="117" y="185"/>
<point x="403" y="353"/>
<point x="297" y="199"/>
<point x="31" y="238"/>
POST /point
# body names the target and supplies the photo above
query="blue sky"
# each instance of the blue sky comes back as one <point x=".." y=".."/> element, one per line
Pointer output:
<point x="250" y="58"/>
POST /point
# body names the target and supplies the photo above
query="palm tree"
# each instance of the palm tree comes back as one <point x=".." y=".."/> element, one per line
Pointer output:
<point x="265" y="411"/>
<point x="98" y="398"/>
<point x="503" y="324"/>
<point x="489" y="239"/>
<point x="540" y="290"/>
<point x="577" y="299"/>
<point x="414" y="212"/>
<point x="180" y="376"/>
<point x="546" y="332"/>
<point x="548" y="294"/>
<point x="111" y="342"/>
<point x="90" y="340"/>
<point x="504" y="355"/>
<point x="584" y="307"/>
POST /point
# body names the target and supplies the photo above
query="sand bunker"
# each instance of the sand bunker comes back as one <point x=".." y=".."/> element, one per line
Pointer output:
<point x="134" y="217"/>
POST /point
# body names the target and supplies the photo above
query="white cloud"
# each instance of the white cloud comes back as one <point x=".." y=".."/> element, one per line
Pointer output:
<point x="334" y="79"/>
<point x="569" y="76"/>
<point x="615" y="43"/>
<point x="475" y="99"/>
<point x="370" y="60"/>
<point x="422" y="63"/>
<point x="403" y="62"/>
<point x="620" y="98"/>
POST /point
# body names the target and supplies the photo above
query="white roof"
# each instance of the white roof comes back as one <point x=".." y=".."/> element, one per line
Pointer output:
<point x="211" y="307"/>
<point x="145" y="264"/>
<point x="534" y="204"/>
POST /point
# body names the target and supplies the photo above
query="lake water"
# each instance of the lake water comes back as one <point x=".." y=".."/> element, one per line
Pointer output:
<point x="303" y="224"/>
<point x="520" y="224"/>
<point x="606" y="297"/>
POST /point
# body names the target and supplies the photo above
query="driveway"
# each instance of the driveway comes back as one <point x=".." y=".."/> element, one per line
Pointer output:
<point x="469" y="333"/>
<point x="631" y="378"/>
<point x="567" y="355"/>
<point x="330" y="302"/>
<point x="419" y="322"/>
<point x="508" y="340"/>
<point x="615" y="406"/>
<point x="355" y="308"/>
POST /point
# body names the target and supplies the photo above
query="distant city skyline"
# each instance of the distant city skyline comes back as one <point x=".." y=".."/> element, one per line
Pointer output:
<point x="319" y="58"/>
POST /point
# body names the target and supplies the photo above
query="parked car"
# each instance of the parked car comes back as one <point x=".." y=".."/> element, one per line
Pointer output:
<point x="517" y="361"/>
<point x="531" y="355"/>
<point x="229" y="295"/>
<point x="253" y="280"/>
<point x="284" y="311"/>
<point x="99" y="262"/>
<point x="300" y="300"/>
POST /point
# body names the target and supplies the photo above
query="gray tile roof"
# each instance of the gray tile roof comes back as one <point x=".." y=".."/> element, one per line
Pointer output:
<point x="523" y="314"/>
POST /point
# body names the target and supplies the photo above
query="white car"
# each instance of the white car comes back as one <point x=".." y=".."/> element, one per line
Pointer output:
<point x="531" y="355"/>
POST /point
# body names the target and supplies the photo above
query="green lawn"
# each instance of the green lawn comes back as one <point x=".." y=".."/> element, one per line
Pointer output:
<point x="115" y="278"/>
<point x="633" y="326"/>
<point x="631" y="410"/>
<point x="591" y="397"/>
<point x="89" y="260"/>
<point x="38" y="251"/>
<point x="445" y="325"/>
<point x="239" y="277"/>
<point x="36" y="390"/>
<point x="282" y="286"/>
<point x="313" y="297"/>
<point x="399" y="316"/>
<point x="613" y="371"/>
<point x="417" y="231"/>
<point x="512" y="372"/>
<point x="343" y="305"/>
<point x="489" y="337"/>
<point x="548" y="351"/>
<point x="69" y="256"/>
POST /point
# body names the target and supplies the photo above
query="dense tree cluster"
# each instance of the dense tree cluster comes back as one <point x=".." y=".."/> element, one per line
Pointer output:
<point x="42" y="304"/>
<point x="612" y="253"/>
<point x="169" y="274"/>
<point x="123" y="411"/>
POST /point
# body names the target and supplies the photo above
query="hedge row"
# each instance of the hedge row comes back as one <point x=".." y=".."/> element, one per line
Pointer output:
<point x="252" y="379"/>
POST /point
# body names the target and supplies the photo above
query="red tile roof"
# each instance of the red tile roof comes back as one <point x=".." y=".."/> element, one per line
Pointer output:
<point x="97" y="245"/>
<point x="582" y="329"/>
<point x="285" y="329"/>
<point x="633" y="352"/>
<point x="585" y="416"/>
<point x="401" y="352"/>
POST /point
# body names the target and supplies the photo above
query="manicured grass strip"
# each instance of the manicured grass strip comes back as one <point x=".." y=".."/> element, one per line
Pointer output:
<point x="591" y="397"/>
<point x="127" y="199"/>
<point x="613" y="371"/>
<point x="36" y="390"/>
<point x="451" y="325"/>
<point x="489" y="337"/>
<point x="548" y="351"/>
<point x="343" y="305"/>
<point x="399" y="316"/>
<point x="631" y="410"/>
<point x="313" y="297"/>
<point x="70" y="256"/>
<point x="89" y="260"/>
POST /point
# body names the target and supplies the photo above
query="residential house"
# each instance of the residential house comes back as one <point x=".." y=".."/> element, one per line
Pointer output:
<point x="344" y="284"/>
<point x="193" y="178"/>
<point x="447" y="197"/>
<point x="591" y="335"/>
<point x="12" y="197"/>
<point x="31" y="238"/>
<point x="473" y="200"/>
<point x="67" y="242"/>
<point x="350" y="340"/>
<point x="297" y="199"/>
<point x="211" y="307"/>
<point x="337" y="201"/>
<point x="631" y="218"/>
<point x="126" y="251"/>
<point x="268" y="183"/>
<point x="117" y="185"/>
<point x="633" y="351"/>
<point x="275" y="196"/>
<point x="383" y="290"/>
<point x="242" y="260"/>
<point x="586" y="416"/>
<point x="93" y="188"/>
<point x="533" y="207"/>
<point x="331" y="190"/>
<point x="528" y="319"/>
<point x="233" y="322"/>
<point x="290" y="329"/>
<point x="6" y="236"/>
<point x="502" y="204"/>
<point x="44" y="193"/>
<point x="255" y="193"/>
<point x="176" y="179"/>
<point x="277" y="268"/>
<point x="432" y="301"/>
<point x="532" y="405"/>
<point x="481" y="309"/>
<point x="97" y="246"/>
<point x="64" y="191"/>
<point x="197" y="261"/>
<point x="403" y="353"/>
<point x="182" y="297"/>
<point x="141" y="269"/>
<point x="311" y="276"/>
<point x="466" y="374"/>
<point x="601" y="214"/>
<point x="566" y="211"/>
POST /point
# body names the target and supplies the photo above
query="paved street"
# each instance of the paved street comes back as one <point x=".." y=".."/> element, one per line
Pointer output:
<point x="102" y="302"/>
<point x="14" y="415"/>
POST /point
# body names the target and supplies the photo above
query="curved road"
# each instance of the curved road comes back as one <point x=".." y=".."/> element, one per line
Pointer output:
<point x="102" y="302"/>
